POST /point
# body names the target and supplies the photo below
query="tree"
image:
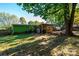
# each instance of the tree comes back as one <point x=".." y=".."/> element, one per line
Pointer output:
<point x="76" y="20"/>
<point x="69" y="17"/>
<point x="30" y="22"/>
<point x="34" y="23"/>
<point x="59" y="12"/>
<point x="7" y="20"/>
<point x="22" y="20"/>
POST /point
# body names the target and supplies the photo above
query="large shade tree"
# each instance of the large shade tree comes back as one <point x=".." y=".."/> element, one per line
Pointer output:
<point x="57" y="12"/>
<point x="69" y="12"/>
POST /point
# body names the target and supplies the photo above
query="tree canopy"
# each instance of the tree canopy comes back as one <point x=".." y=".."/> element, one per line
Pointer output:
<point x="55" y="12"/>
<point x="50" y="12"/>
<point x="7" y="20"/>
<point x="22" y="20"/>
<point x="34" y="23"/>
<point x="76" y="20"/>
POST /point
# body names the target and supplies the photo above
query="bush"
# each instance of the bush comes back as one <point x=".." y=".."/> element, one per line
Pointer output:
<point x="17" y="28"/>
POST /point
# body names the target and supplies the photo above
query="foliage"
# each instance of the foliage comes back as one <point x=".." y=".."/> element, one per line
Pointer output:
<point x="50" y="12"/>
<point x="7" y="20"/>
<point x="19" y="28"/>
<point x="76" y="20"/>
<point x="59" y="14"/>
<point x="16" y="28"/>
<point x="34" y="23"/>
<point x="22" y="20"/>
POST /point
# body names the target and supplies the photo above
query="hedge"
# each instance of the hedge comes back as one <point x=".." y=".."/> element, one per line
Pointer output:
<point x="18" y="28"/>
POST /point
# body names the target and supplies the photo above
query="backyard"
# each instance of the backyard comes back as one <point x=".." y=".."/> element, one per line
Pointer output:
<point x="39" y="45"/>
<point x="39" y="29"/>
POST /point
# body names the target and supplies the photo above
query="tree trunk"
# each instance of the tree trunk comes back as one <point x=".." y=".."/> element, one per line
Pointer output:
<point x="69" y="18"/>
<point x="66" y="18"/>
<point x="72" y="17"/>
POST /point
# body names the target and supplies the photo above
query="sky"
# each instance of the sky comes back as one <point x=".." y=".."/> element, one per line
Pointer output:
<point x="13" y="8"/>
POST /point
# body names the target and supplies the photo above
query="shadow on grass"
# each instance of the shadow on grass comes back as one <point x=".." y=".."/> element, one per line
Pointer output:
<point x="11" y="38"/>
<point x="34" y="49"/>
<point x="21" y="36"/>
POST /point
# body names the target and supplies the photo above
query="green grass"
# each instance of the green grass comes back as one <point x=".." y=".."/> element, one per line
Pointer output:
<point x="10" y="41"/>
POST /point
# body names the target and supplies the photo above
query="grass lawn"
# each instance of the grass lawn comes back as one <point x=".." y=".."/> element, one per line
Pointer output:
<point x="34" y="44"/>
<point x="14" y="40"/>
